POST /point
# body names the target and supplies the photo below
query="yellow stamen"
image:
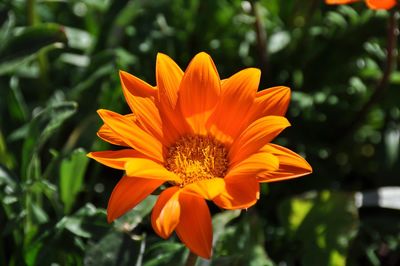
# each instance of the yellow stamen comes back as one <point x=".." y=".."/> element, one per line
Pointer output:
<point x="194" y="158"/>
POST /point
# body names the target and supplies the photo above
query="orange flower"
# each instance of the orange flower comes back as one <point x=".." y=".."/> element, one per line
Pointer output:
<point x="203" y="138"/>
<point x="372" y="4"/>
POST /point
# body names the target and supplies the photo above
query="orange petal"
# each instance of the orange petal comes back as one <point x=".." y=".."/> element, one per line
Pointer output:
<point x="135" y="86"/>
<point x="256" y="135"/>
<point x="291" y="165"/>
<point x="272" y="101"/>
<point x="207" y="189"/>
<point x="132" y="134"/>
<point x="140" y="97"/>
<point x="381" y="4"/>
<point x="199" y="91"/>
<point x="114" y="159"/>
<point x="169" y="76"/>
<point x="166" y="212"/>
<point x="128" y="193"/>
<point x="255" y="164"/>
<point x="240" y="193"/>
<point x="340" y="2"/>
<point x="237" y="97"/>
<point x="106" y="134"/>
<point x="194" y="228"/>
<point x="146" y="168"/>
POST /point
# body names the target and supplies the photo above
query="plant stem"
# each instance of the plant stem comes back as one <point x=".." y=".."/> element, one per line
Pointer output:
<point x="191" y="259"/>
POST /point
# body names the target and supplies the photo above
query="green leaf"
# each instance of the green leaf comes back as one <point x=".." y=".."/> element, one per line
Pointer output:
<point x="132" y="218"/>
<point x="5" y="157"/>
<point x="115" y="249"/>
<point x="72" y="171"/>
<point x="17" y="105"/>
<point x="39" y="216"/>
<point x="165" y="253"/>
<point x="242" y="243"/>
<point x="322" y="224"/>
<point x="6" y="178"/>
<point x="43" y="125"/>
<point x="6" y="28"/>
<point x="78" y="39"/>
<point x="221" y="220"/>
<point x="87" y="222"/>
<point x="87" y="83"/>
<point x="62" y="243"/>
<point x="37" y="37"/>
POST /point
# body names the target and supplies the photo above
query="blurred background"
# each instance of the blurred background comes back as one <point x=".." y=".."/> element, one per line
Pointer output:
<point x="59" y="62"/>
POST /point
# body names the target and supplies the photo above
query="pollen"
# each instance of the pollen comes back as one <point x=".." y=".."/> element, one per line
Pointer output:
<point x="195" y="157"/>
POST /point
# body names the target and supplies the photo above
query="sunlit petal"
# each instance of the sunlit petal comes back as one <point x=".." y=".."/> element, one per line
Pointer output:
<point x="291" y="165"/>
<point x="199" y="92"/>
<point x="106" y="134"/>
<point x="240" y="193"/>
<point x="208" y="188"/>
<point x="340" y="2"/>
<point x="237" y="97"/>
<point x="115" y="159"/>
<point x="132" y="134"/>
<point x="128" y="193"/>
<point x="255" y="164"/>
<point x="169" y="76"/>
<point x="381" y="4"/>
<point x="140" y="98"/>
<point x="146" y="168"/>
<point x="194" y="228"/>
<point x="256" y="135"/>
<point x="166" y="212"/>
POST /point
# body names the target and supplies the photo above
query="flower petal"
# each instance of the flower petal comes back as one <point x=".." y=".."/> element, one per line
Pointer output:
<point x="194" y="228"/>
<point x="340" y="2"/>
<point x="128" y="193"/>
<point x="255" y="164"/>
<point x="169" y="76"/>
<point x="132" y="134"/>
<point x="207" y="189"/>
<point x="381" y="4"/>
<point x="291" y="165"/>
<point x="146" y="168"/>
<point x="114" y="159"/>
<point x="272" y="101"/>
<point x="106" y="134"/>
<point x="237" y="97"/>
<point x="135" y="86"/>
<point x="240" y="193"/>
<point x="255" y="136"/>
<point x="166" y="212"/>
<point x="199" y="91"/>
<point x="140" y="97"/>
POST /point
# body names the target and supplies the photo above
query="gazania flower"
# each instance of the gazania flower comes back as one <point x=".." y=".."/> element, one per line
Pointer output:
<point x="200" y="137"/>
<point x="372" y="4"/>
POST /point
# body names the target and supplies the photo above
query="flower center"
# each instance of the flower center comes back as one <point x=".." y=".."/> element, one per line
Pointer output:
<point x="194" y="158"/>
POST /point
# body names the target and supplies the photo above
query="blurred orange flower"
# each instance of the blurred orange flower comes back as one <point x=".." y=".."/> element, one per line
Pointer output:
<point x="372" y="4"/>
<point x="203" y="138"/>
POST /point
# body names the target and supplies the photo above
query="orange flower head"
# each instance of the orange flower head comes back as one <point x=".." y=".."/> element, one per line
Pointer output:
<point x="203" y="138"/>
<point x="372" y="4"/>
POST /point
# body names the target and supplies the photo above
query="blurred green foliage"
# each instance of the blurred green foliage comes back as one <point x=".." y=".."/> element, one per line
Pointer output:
<point x="59" y="62"/>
